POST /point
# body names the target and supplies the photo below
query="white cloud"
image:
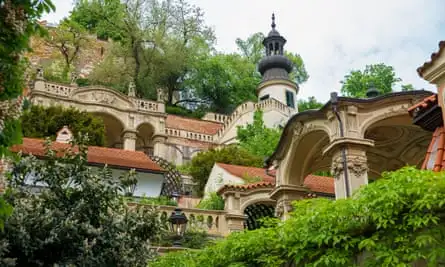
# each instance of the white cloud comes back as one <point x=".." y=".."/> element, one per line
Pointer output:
<point x="333" y="37"/>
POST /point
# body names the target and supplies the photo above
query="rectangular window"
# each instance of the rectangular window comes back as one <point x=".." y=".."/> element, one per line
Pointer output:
<point x="264" y="97"/>
<point x="290" y="99"/>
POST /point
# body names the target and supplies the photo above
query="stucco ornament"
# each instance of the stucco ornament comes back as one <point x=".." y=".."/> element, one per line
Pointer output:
<point x="358" y="165"/>
<point x="131" y="89"/>
<point x="73" y="78"/>
<point x="298" y="130"/>
<point x="104" y="98"/>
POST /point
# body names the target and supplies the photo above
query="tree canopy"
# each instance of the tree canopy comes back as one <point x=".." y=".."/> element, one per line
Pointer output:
<point x="310" y="103"/>
<point x="381" y="76"/>
<point x="41" y="122"/>
<point x="395" y="221"/>
<point x="78" y="218"/>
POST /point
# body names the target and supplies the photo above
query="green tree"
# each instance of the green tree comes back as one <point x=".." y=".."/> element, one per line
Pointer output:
<point x="69" y="38"/>
<point x="80" y="218"/>
<point x="18" y="22"/>
<point x="381" y="76"/>
<point x="310" y="103"/>
<point x="256" y="138"/>
<point x="395" y="221"/>
<point x="201" y="165"/>
<point x="212" y="78"/>
<point x="40" y="122"/>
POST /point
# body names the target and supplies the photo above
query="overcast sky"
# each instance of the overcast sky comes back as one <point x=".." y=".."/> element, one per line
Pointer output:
<point x="332" y="36"/>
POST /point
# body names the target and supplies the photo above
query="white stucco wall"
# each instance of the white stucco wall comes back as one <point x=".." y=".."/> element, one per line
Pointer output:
<point x="274" y="118"/>
<point x="149" y="184"/>
<point x="219" y="177"/>
<point x="278" y="91"/>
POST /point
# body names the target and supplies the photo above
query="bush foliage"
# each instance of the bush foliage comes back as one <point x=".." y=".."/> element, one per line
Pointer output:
<point x="201" y="165"/>
<point x="213" y="202"/>
<point x="395" y="221"/>
<point x="79" y="217"/>
<point x="40" y="122"/>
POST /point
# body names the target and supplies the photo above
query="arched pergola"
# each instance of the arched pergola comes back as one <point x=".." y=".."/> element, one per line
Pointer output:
<point x="378" y="136"/>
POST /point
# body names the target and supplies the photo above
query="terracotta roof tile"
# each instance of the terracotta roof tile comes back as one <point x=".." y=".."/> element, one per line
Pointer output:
<point x="435" y="156"/>
<point x="315" y="183"/>
<point x="242" y="171"/>
<point x="98" y="155"/>
<point x="425" y="103"/>
<point x="434" y="56"/>
<point x="192" y="125"/>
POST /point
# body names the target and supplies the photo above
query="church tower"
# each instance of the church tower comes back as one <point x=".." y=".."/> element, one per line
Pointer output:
<point x="275" y="69"/>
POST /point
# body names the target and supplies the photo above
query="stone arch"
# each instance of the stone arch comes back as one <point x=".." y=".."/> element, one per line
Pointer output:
<point x="145" y="132"/>
<point x="397" y="143"/>
<point x="113" y="128"/>
<point x="305" y="153"/>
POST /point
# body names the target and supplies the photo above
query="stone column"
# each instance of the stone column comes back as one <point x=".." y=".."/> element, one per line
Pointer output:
<point x="285" y="195"/>
<point x="356" y="175"/>
<point x="159" y="147"/>
<point x="129" y="137"/>
<point x="234" y="217"/>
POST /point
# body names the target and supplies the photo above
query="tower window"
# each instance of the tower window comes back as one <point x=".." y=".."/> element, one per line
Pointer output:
<point x="290" y="99"/>
<point x="264" y="97"/>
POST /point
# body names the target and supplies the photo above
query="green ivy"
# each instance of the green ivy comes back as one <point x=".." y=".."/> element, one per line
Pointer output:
<point x="158" y="201"/>
<point x="395" y="221"/>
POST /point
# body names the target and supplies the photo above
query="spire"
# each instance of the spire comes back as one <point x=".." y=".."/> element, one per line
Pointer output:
<point x="273" y="21"/>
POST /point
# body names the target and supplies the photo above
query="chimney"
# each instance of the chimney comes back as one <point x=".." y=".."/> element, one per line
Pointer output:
<point x="64" y="135"/>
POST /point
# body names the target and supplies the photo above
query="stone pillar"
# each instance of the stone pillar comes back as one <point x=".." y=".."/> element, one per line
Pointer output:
<point x="159" y="147"/>
<point x="356" y="163"/>
<point x="129" y="137"/>
<point x="234" y="218"/>
<point x="285" y="195"/>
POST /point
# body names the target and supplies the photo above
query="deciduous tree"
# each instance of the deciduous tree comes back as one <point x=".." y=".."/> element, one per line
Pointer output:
<point x="381" y="76"/>
<point x="310" y="103"/>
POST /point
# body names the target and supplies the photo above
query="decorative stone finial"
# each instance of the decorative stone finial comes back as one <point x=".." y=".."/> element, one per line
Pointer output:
<point x="131" y="89"/>
<point x="64" y="135"/>
<point x="372" y="91"/>
<point x="161" y="97"/>
<point x="273" y="21"/>
<point x="39" y="75"/>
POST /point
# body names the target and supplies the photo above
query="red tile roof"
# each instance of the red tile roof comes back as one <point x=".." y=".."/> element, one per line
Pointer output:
<point x="242" y="171"/>
<point x="97" y="155"/>
<point x="425" y="103"/>
<point x="315" y="183"/>
<point x="192" y="125"/>
<point x="436" y="150"/>
<point x="434" y="56"/>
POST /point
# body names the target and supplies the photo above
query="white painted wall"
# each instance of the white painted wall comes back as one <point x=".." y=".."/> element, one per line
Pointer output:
<point x="278" y="91"/>
<point x="218" y="178"/>
<point x="149" y="184"/>
<point x="274" y="118"/>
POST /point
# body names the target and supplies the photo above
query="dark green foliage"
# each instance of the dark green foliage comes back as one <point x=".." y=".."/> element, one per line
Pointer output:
<point x="257" y="139"/>
<point x="213" y="202"/>
<point x="157" y="201"/>
<point x="177" y="110"/>
<point x="381" y="76"/>
<point x="193" y="239"/>
<point x="80" y="218"/>
<point x="202" y="164"/>
<point x="310" y="103"/>
<point x="39" y="122"/>
<point x="396" y="220"/>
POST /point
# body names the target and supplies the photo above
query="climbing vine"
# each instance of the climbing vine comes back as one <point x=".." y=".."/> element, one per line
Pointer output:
<point x="395" y="221"/>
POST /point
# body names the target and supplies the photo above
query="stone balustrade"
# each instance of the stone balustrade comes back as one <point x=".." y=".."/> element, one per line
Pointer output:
<point x="58" y="89"/>
<point x="215" y="117"/>
<point x="189" y="135"/>
<point x="147" y="105"/>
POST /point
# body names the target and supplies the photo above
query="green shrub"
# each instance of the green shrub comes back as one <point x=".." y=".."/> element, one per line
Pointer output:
<point x="158" y="201"/>
<point x="41" y="122"/>
<point x="177" y="110"/>
<point x="397" y="220"/>
<point x="201" y="165"/>
<point x="213" y="202"/>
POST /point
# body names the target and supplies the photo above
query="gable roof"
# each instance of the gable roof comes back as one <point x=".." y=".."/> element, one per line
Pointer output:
<point x="96" y="155"/>
<point x="319" y="184"/>
<point x="435" y="156"/>
<point x="433" y="58"/>
<point x="192" y="125"/>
